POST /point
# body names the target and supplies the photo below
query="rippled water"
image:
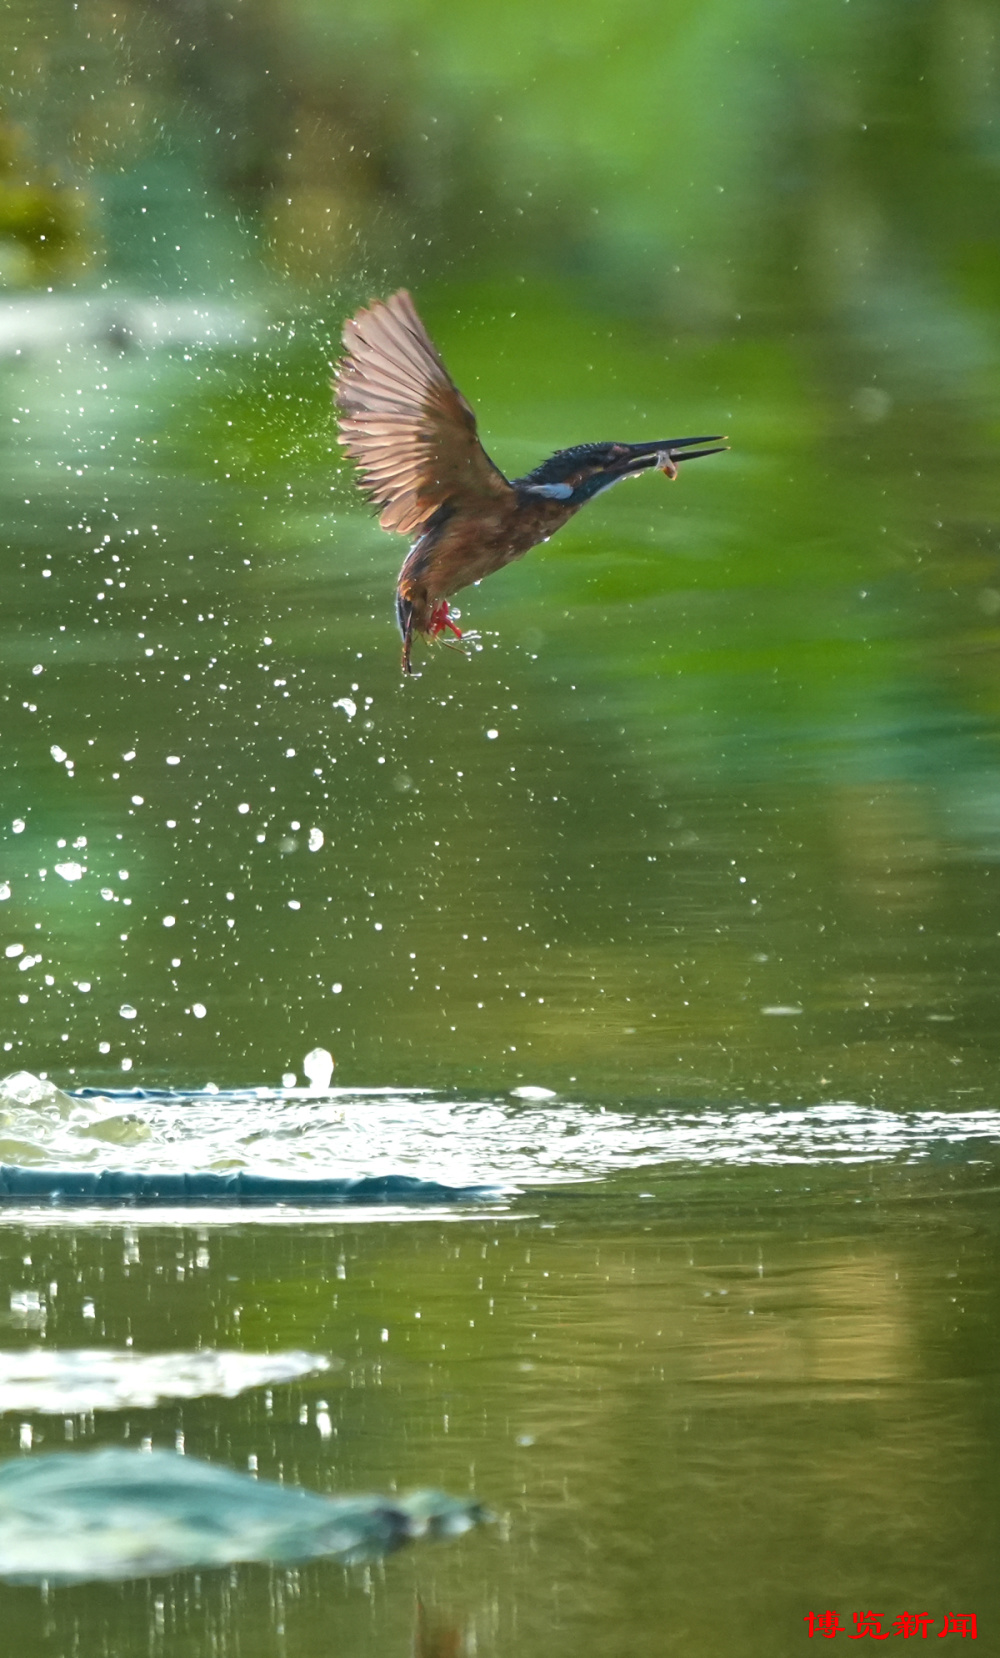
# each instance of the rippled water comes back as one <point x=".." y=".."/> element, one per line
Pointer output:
<point x="707" y="1394"/>
<point x="120" y="1514"/>
<point x="710" y="1367"/>
<point x="303" y="1133"/>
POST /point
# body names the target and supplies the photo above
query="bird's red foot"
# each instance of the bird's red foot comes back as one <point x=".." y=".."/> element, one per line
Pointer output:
<point x="440" y="618"/>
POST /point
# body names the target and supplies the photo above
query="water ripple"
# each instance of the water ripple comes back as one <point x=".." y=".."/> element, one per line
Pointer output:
<point x="511" y="1141"/>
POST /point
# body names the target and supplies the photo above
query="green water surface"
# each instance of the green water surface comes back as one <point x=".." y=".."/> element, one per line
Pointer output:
<point x="710" y="817"/>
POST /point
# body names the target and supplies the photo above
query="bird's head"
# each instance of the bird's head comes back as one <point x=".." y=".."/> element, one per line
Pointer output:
<point x="577" y="475"/>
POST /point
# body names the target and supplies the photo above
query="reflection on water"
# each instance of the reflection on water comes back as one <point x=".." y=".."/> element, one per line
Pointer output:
<point x="435" y="1634"/>
<point x="710" y="1401"/>
<point x="119" y="1514"/>
<point x="76" y="1382"/>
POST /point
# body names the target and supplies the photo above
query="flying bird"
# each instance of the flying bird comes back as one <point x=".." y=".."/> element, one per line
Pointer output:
<point x="413" y="435"/>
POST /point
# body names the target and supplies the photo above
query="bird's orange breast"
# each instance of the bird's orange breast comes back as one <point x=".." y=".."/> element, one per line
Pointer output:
<point x="469" y="547"/>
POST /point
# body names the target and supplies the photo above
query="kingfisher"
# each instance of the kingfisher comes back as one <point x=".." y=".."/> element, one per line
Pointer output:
<point x="414" y="437"/>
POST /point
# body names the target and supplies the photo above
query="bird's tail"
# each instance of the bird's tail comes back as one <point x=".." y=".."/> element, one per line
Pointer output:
<point x="404" y="616"/>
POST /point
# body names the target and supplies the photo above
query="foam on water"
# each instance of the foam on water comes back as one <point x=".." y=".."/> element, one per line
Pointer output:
<point x="323" y="1132"/>
<point x="70" y="1381"/>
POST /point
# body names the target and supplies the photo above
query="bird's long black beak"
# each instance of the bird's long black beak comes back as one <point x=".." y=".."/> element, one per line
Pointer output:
<point x="669" y="452"/>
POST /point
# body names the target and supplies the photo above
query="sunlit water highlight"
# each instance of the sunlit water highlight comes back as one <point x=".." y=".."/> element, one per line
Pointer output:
<point x="64" y="1382"/>
<point x="506" y="1143"/>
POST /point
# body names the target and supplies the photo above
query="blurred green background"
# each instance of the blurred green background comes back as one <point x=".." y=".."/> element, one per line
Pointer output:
<point x="735" y="834"/>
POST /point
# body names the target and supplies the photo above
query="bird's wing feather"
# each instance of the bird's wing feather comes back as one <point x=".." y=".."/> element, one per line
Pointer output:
<point x="405" y="422"/>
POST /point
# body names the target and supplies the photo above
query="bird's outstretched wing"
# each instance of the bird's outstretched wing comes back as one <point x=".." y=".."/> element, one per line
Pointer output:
<point x="405" y="422"/>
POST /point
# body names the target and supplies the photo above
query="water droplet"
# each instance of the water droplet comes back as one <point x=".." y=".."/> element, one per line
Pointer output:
<point x="318" y="1067"/>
